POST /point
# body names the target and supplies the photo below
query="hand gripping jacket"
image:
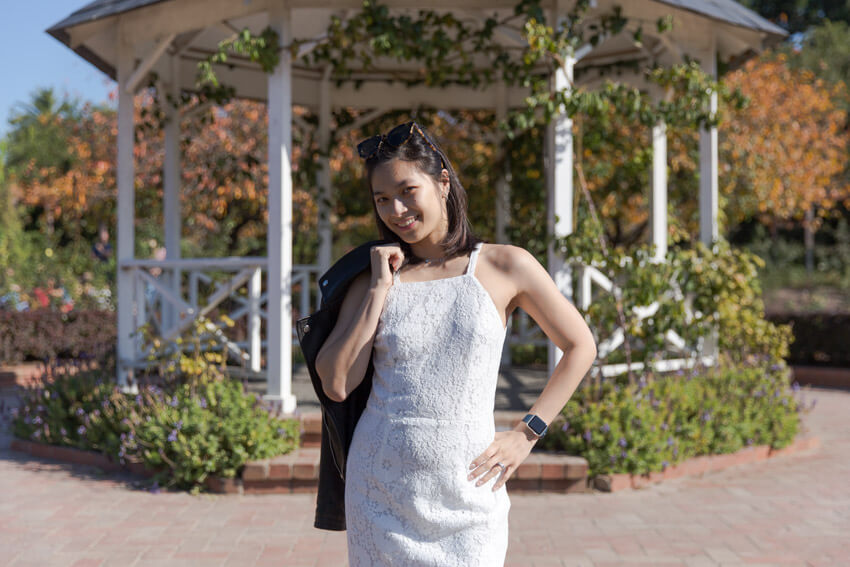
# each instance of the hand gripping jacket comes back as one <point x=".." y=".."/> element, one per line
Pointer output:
<point x="338" y="418"/>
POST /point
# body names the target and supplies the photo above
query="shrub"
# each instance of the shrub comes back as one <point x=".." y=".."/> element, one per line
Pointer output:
<point x="44" y="334"/>
<point x="663" y="420"/>
<point x="185" y="432"/>
<point x="699" y="291"/>
<point x="211" y="428"/>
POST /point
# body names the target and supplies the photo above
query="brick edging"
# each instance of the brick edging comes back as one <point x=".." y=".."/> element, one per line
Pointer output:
<point x="298" y="471"/>
<point x="76" y="456"/>
<point x="697" y="466"/>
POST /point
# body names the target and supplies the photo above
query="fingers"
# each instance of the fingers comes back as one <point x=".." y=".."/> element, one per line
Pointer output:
<point x="488" y="466"/>
<point x="385" y="260"/>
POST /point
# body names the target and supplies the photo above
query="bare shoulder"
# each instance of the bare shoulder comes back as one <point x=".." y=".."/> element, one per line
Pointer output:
<point x="508" y="259"/>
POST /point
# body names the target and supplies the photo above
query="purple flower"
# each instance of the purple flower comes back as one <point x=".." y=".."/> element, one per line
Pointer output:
<point x="795" y="386"/>
<point x="173" y="402"/>
<point x="36" y="434"/>
<point x="623" y="454"/>
<point x="172" y="437"/>
<point x="706" y="416"/>
<point x="605" y="428"/>
<point x="565" y="427"/>
<point x="81" y="430"/>
<point x="664" y="465"/>
<point x="63" y="432"/>
<point x="622" y="442"/>
<point x="203" y="403"/>
<point x="749" y="442"/>
<point x="613" y="459"/>
<point x="179" y="425"/>
<point x="37" y="420"/>
<point x="670" y="441"/>
<point x="775" y="367"/>
<point x="587" y="435"/>
<point x="80" y="411"/>
<point x="138" y="399"/>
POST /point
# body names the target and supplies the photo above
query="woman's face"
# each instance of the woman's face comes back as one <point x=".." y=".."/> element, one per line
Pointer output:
<point x="410" y="202"/>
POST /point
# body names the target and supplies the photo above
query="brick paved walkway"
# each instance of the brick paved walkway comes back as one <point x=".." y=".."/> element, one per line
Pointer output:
<point x="788" y="511"/>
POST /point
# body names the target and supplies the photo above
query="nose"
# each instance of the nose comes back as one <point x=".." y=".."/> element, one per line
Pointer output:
<point x="399" y="208"/>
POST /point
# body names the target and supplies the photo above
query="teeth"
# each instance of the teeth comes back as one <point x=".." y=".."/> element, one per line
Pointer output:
<point x="407" y="223"/>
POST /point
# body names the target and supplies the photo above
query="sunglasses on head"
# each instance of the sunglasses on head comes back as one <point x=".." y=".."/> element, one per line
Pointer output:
<point x="368" y="148"/>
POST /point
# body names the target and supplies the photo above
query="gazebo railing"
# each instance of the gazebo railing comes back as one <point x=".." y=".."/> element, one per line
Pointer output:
<point x="589" y="282"/>
<point x="172" y="295"/>
<point x="676" y="356"/>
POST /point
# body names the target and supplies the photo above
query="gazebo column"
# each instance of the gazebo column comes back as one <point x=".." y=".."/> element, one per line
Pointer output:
<point x="126" y="216"/>
<point x="503" y="190"/>
<point x="503" y="197"/>
<point x="708" y="194"/>
<point x="559" y="182"/>
<point x="708" y="231"/>
<point x="324" y="174"/>
<point x="171" y="185"/>
<point x="279" y="288"/>
<point x="658" y="197"/>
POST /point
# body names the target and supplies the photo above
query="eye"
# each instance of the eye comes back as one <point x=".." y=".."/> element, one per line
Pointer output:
<point x="380" y="200"/>
<point x="409" y="189"/>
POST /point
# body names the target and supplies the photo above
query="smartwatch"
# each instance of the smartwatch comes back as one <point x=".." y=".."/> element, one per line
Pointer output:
<point x="536" y="425"/>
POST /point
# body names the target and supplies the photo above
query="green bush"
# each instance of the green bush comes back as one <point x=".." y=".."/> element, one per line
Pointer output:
<point x="699" y="291"/>
<point x="185" y="432"/>
<point x="663" y="420"/>
<point x="211" y="428"/>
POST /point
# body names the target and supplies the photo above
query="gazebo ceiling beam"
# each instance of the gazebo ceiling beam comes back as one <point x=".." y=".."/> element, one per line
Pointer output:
<point x="184" y="41"/>
<point x="373" y="114"/>
<point x="166" y="18"/>
<point x="147" y="64"/>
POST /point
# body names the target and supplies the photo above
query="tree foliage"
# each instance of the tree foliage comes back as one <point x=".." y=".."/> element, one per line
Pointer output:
<point x="785" y="152"/>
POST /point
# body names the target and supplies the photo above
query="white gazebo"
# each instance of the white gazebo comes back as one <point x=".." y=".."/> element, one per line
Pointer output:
<point x="130" y="39"/>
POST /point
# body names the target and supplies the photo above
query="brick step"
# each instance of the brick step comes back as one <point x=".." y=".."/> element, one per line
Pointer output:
<point x="299" y="472"/>
<point x="311" y="425"/>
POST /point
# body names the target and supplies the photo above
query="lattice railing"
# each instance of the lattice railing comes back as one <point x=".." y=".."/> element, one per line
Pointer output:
<point x="171" y="295"/>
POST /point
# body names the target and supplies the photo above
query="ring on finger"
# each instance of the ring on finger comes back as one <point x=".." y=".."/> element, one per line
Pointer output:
<point x="502" y="465"/>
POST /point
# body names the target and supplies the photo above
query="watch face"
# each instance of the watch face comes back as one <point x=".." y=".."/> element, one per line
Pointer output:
<point x="537" y="425"/>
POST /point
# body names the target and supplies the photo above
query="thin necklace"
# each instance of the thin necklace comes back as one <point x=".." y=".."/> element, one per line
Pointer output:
<point x="430" y="261"/>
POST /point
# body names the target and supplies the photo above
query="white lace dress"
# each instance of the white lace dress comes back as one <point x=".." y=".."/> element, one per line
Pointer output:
<point x="407" y="498"/>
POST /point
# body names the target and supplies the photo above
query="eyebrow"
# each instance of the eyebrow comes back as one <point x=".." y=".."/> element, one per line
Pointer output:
<point x="405" y="182"/>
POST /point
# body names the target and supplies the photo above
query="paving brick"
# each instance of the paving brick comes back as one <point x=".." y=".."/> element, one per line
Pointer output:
<point x="792" y="509"/>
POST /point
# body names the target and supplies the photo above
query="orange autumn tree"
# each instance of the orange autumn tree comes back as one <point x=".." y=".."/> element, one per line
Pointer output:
<point x="785" y="153"/>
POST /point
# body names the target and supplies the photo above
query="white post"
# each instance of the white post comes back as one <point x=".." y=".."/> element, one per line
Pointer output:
<point x="559" y="170"/>
<point x="708" y="167"/>
<point x="126" y="214"/>
<point x="324" y="175"/>
<point x="503" y="190"/>
<point x="658" y="198"/>
<point x="171" y="187"/>
<point x="279" y="288"/>
<point x="503" y="200"/>
<point x="255" y="343"/>
<point x="708" y="231"/>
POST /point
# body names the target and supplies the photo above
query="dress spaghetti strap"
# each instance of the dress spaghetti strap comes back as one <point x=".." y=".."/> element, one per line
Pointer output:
<point x="473" y="256"/>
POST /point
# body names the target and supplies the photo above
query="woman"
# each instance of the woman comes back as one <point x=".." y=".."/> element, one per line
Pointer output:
<point x="426" y="470"/>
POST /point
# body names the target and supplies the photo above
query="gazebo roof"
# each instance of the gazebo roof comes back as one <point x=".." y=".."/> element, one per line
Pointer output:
<point x="189" y="31"/>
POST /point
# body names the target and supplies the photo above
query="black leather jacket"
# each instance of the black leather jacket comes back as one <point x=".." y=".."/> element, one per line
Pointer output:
<point x="338" y="418"/>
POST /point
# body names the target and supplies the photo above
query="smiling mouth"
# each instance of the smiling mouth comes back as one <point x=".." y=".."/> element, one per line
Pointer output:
<point x="406" y="224"/>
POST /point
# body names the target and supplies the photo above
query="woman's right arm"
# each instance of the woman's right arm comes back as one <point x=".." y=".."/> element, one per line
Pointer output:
<point x="342" y="361"/>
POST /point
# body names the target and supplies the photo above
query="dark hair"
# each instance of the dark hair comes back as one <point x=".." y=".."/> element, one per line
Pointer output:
<point x="420" y="151"/>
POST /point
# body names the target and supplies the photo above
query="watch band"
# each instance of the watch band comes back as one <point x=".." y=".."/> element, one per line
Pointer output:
<point x="536" y="425"/>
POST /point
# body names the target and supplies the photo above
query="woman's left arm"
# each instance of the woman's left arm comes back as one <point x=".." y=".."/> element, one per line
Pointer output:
<point x="538" y="295"/>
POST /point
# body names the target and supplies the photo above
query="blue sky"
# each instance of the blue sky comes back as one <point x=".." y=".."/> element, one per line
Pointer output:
<point x="33" y="59"/>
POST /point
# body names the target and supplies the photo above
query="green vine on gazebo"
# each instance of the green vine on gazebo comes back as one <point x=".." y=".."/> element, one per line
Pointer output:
<point x="446" y="46"/>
